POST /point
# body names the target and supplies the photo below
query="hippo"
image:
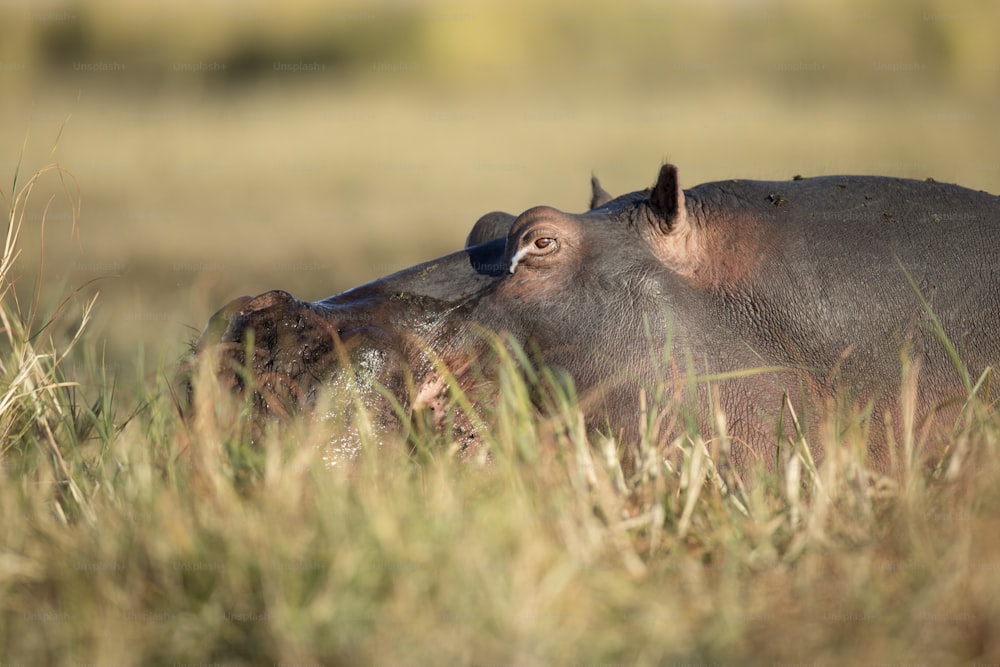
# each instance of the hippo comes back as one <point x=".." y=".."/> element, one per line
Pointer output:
<point x="759" y="299"/>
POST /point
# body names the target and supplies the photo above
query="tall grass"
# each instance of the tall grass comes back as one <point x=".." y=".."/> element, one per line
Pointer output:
<point x="39" y="416"/>
<point x="130" y="537"/>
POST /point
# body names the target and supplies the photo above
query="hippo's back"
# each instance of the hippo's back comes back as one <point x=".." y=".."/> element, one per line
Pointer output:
<point x="856" y="266"/>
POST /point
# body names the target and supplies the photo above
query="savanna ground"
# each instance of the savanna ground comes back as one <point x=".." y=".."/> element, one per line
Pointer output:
<point x="129" y="537"/>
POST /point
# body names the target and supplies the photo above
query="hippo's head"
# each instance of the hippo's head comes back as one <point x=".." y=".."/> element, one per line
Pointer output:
<point x="588" y="294"/>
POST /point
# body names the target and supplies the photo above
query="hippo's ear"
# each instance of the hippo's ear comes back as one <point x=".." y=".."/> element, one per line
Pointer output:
<point x="490" y="227"/>
<point x="667" y="200"/>
<point x="598" y="195"/>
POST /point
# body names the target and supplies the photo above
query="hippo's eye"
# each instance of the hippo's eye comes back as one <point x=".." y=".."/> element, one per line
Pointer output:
<point x="533" y="247"/>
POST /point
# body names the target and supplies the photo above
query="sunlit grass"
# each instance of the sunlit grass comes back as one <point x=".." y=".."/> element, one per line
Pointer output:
<point x="132" y="537"/>
<point x="128" y="536"/>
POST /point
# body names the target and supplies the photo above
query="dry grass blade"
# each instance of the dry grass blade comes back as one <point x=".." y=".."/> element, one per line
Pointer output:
<point x="33" y="400"/>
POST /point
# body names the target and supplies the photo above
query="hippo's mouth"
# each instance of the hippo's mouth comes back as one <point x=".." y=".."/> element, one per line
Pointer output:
<point x="288" y="357"/>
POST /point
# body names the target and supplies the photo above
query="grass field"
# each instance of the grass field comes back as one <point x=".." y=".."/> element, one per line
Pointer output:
<point x="129" y="537"/>
<point x="136" y="539"/>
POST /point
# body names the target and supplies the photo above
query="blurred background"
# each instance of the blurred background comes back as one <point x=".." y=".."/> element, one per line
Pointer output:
<point x="227" y="147"/>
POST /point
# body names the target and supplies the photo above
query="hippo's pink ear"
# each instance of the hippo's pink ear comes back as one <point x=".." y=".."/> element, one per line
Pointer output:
<point x="672" y="237"/>
<point x="667" y="200"/>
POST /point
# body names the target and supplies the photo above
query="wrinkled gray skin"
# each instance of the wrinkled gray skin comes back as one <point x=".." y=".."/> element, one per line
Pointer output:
<point x="665" y="288"/>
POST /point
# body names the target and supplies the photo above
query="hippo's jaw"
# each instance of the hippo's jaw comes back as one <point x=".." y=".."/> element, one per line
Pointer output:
<point x="334" y="361"/>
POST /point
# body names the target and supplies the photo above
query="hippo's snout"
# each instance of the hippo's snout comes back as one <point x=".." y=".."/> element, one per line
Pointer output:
<point x="290" y="357"/>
